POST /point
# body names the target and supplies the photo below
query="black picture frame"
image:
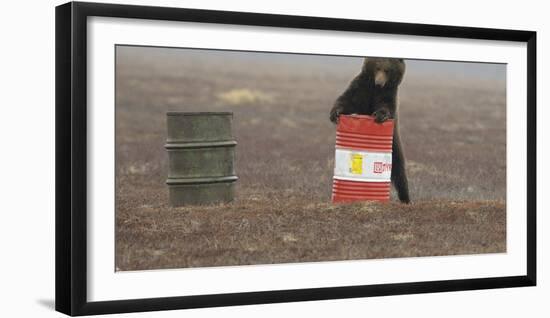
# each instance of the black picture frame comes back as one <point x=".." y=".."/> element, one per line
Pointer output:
<point x="71" y="157"/>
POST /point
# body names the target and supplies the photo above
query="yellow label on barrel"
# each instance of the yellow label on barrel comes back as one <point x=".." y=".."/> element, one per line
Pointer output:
<point x="356" y="165"/>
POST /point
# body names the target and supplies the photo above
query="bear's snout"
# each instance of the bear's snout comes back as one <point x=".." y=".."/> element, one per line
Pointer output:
<point x="380" y="78"/>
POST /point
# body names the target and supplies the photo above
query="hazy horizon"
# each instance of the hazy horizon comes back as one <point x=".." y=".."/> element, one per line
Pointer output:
<point x="415" y="67"/>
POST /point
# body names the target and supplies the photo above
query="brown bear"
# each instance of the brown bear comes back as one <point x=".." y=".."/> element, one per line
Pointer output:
<point x="374" y="92"/>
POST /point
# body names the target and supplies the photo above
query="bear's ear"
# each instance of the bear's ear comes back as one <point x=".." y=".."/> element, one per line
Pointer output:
<point x="365" y="61"/>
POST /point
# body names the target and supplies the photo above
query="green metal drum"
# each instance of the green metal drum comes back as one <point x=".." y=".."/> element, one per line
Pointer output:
<point x="201" y="152"/>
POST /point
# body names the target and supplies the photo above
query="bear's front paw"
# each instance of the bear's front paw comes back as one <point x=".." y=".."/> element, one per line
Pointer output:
<point x="335" y="113"/>
<point x="381" y="115"/>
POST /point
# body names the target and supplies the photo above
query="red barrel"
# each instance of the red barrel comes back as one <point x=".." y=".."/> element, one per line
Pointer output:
<point x="363" y="158"/>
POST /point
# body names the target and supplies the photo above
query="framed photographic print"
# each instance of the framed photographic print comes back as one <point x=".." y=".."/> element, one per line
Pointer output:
<point x="212" y="158"/>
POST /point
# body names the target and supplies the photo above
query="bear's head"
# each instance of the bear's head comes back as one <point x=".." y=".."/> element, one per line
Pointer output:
<point x="384" y="72"/>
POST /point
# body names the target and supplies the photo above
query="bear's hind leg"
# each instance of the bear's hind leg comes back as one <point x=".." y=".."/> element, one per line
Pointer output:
<point x="398" y="173"/>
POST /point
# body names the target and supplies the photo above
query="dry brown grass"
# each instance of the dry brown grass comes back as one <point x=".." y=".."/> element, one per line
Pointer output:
<point x="453" y="132"/>
<point x="252" y="232"/>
